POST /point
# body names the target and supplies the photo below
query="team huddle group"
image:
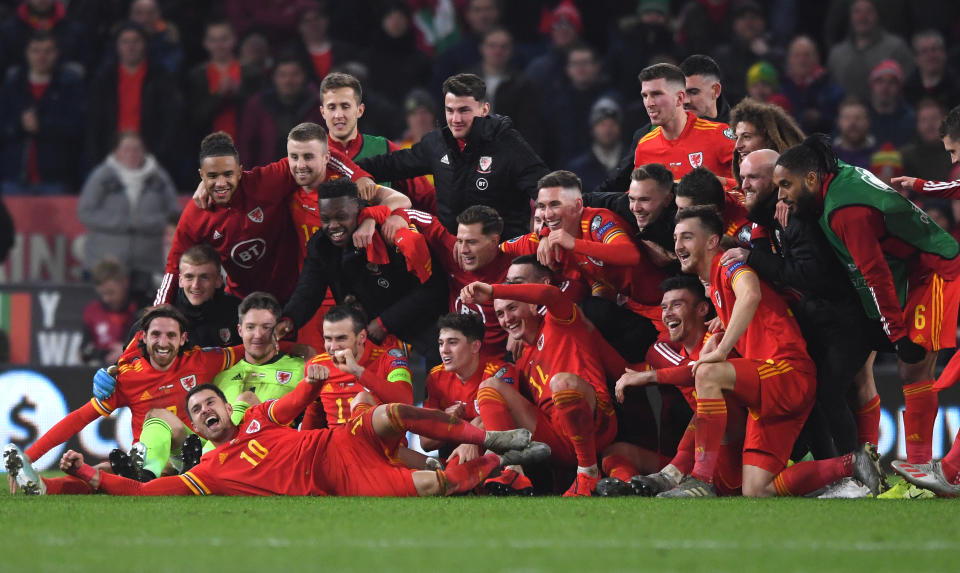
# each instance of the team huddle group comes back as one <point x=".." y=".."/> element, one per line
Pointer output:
<point x="738" y="274"/>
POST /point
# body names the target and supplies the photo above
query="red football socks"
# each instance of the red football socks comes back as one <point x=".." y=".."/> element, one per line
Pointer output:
<point x="618" y="466"/>
<point x="493" y="410"/>
<point x="434" y="424"/>
<point x="868" y="422"/>
<point x="67" y="486"/>
<point x="462" y="478"/>
<point x="711" y="424"/>
<point x="801" y="479"/>
<point x="918" y="418"/>
<point x="684" y="460"/>
<point x="576" y="421"/>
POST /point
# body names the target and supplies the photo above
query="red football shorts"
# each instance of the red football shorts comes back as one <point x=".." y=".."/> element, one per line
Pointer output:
<point x="549" y="430"/>
<point x="931" y="312"/>
<point x="778" y="398"/>
<point x="358" y="462"/>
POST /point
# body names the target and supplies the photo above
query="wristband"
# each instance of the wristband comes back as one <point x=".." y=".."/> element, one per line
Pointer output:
<point x="86" y="472"/>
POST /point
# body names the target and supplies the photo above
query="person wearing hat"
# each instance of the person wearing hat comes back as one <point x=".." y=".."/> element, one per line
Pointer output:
<point x="565" y="27"/>
<point x="893" y="121"/>
<point x="763" y="84"/>
<point x="600" y="161"/>
<point x="420" y="113"/>
<point x="749" y="43"/>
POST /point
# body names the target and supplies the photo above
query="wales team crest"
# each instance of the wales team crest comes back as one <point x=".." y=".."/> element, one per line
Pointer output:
<point x="283" y="376"/>
<point x="485" y="163"/>
<point x="696" y="159"/>
<point x="188" y="382"/>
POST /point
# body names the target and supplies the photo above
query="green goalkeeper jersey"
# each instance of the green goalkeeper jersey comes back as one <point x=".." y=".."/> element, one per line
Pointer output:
<point x="268" y="381"/>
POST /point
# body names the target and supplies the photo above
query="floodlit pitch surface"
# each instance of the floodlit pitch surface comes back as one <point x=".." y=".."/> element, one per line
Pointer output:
<point x="101" y="533"/>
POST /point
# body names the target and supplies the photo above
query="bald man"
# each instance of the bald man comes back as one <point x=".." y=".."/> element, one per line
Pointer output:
<point x="840" y="338"/>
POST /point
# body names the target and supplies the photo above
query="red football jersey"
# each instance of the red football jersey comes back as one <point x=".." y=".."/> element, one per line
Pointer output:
<point x="386" y="375"/>
<point x="444" y="389"/>
<point x="773" y="334"/>
<point x="735" y="217"/>
<point x="701" y="143"/>
<point x="142" y="388"/>
<point x="667" y="354"/>
<point x="442" y="244"/>
<point x="564" y="344"/>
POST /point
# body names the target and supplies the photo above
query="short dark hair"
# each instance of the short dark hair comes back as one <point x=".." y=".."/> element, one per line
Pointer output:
<point x="580" y="46"/>
<point x="685" y="282"/>
<point x="308" y="131"/>
<point x="218" y="144"/>
<point x="201" y="254"/>
<point x="703" y="188"/>
<point x="42" y="36"/>
<point x="813" y="155"/>
<point x="700" y="65"/>
<point x="259" y="300"/>
<point x="950" y="127"/>
<point x="468" y="325"/>
<point x="339" y="187"/>
<point x="465" y="85"/>
<point x="658" y="172"/>
<point x="491" y="223"/>
<point x="347" y="311"/>
<point x="131" y="26"/>
<point x="200" y="388"/>
<point x="852" y="101"/>
<point x="709" y="218"/>
<point x="288" y="57"/>
<point x="108" y="269"/>
<point x="668" y="72"/>
<point x="542" y="271"/>
<point x="163" y="311"/>
<point x="561" y="178"/>
<point x="337" y="80"/>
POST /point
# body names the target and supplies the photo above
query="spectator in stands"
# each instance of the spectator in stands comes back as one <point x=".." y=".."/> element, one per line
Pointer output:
<point x="107" y="320"/>
<point x="887" y="163"/>
<point x="868" y="44"/>
<point x="763" y="84"/>
<point x="420" y="112"/>
<point x="601" y="160"/>
<point x="41" y="15"/>
<point x="806" y="84"/>
<point x="481" y="16"/>
<point x="925" y="157"/>
<point x="218" y="88"/>
<point x="566" y="112"/>
<point x="41" y="118"/>
<point x="854" y="143"/>
<point x="891" y="119"/>
<point x="548" y="70"/>
<point x="163" y="44"/>
<point x="275" y="19"/>
<point x="125" y="204"/>
<point x="509" y="92"/>
<point x="269" y="115"/>
<point x="637" y="41"/>
<point x="319" y="52"/>
<point x="748" y="45"/>
<point x="395" y="64"/>
<point x="932" y="78"/>
<point x="255" y="52"/>
<point x="131" y="95"/>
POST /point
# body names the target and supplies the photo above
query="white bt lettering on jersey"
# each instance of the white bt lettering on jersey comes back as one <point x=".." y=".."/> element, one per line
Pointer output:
<point x="246" y="254"/>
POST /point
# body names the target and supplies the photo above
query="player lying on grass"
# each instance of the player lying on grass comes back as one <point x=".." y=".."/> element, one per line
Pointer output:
<point x="155" y="373"/>
<point x="264" y="456"/>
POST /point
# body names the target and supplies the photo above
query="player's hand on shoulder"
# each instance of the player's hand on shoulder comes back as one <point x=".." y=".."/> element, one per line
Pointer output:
<point x="903" y="183"/>
<point x="561" y="238"/>
<point x="283" y="328"/>
<point x="734" y="255"/>
<point x="104" y="382"/>
<point x="476" y="293"/>
<point x="375" y="332"/>
<point x="316" y="373"/>
<point x="367" y="188"/>
<point x="364" y="233"/>
<point x="714" y="324"/>
<point x="390" y="226"/>
<point x="658" y="255"/>
<point x="201" y="198"/>
<point x="782" y="214"/>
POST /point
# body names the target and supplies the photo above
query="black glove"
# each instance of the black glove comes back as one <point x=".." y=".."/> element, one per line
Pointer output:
<point x="909" y="351"/>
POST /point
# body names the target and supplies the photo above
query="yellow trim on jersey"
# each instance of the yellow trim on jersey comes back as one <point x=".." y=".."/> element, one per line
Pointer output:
<point x="194" y="483"/>
<point x="436" y="369"/>
<point x="769" y="370"/>
<point x="650" y="135"/>
<point x="100" y="407"/>
<point x="568" y="321"/>
<point x="701" y="123"/>
<point x="737" y="273"/>
<point x="613" y="234"/>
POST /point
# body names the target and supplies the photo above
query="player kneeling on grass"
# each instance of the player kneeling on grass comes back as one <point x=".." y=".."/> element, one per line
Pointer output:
<point x="562" y="396"/>
<point x="264" y="456"/>
<point x="452" y="386"/>
<point x="774" y="379"/>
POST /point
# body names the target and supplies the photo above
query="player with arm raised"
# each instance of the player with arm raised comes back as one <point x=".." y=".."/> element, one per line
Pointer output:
<point x="950" y="135"/>
<point x="264" y="456"/>
<point x="562" y="397"/>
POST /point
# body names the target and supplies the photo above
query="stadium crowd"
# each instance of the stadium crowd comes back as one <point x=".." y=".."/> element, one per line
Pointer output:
<point x="573" y="214"/>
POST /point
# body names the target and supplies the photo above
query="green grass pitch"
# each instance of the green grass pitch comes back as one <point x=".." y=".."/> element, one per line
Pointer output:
<point x="100" y="533"/>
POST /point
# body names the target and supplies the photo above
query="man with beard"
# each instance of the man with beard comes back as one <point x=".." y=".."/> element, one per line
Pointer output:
<point x="903" y="265"/>
<point x="155" y="373"/>
<point x="799" y="261"/>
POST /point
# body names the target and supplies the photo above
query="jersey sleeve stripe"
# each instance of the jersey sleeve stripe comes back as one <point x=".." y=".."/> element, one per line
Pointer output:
<point x="270" y="413"/>
<point x="195" y="485"/>
<point x="341" y="166"/>
<point x="668" y="353"/>
<point x="609" y="238"/>
<point x="101" y="408"/>
<point x="737" y="274"/>
<point x="570" y="320"/>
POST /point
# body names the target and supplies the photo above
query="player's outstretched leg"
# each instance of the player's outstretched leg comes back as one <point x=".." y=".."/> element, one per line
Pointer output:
<point x="435" y="424"/>
<point x="462" y="478"/>
<point x="20" y="469"/>
<point x="927" y="476"/>
<point x="575" y="401"/>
